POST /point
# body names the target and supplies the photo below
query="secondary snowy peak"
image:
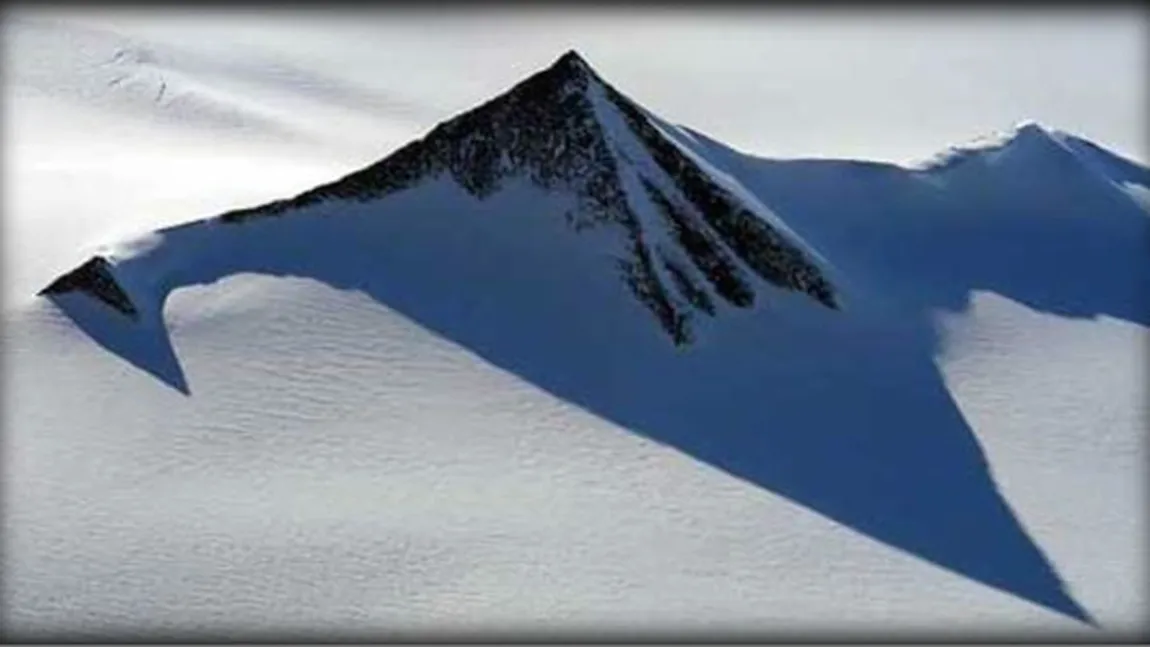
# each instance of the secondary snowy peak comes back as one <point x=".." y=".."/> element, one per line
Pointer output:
<point x="1034" y="153"/>
<point x="688" y="237"/>
<point x="1027" y="134"/>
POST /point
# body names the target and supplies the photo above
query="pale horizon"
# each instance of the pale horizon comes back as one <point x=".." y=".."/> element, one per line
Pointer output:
<point x="881" y="84"/>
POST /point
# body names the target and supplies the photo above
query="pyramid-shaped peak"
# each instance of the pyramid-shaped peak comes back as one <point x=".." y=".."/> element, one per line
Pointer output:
<point x="572" y="58"/>
<point x="1033" y="126"/>
<point x="571" y="63"/>
<point x="1030" y="128"/>
<point x="1031" y="135"/>
<point x="1021" y="131"/>
<point x="1024" y="135"/>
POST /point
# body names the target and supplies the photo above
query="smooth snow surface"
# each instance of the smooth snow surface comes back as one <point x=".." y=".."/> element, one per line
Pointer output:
<point x="442" y="495"/>
<point x="431" y="415"/>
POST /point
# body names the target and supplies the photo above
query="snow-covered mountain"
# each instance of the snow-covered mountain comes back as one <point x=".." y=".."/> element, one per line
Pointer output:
<point x="680" y="238"/>
<point x="653" y="303"/>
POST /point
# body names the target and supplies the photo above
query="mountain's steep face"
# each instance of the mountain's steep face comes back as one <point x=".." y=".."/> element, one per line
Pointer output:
<point x="554" y="130"/>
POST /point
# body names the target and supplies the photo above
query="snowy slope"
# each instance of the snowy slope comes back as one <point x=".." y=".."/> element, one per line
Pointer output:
<point x="463" y="393"/>
<point x="1029" y="253"/>
<point x="327" y="482"/>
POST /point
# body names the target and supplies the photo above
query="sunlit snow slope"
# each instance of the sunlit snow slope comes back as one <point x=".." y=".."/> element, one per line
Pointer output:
<point x="559" y="367"/>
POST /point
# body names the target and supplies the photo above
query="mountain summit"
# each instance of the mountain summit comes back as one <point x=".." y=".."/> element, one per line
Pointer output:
<point x="686" y="239"/>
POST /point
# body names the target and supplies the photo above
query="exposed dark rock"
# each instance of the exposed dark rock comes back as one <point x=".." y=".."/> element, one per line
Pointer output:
<point x="544" y="128"/>
<point x="640" y="276"/>
<point x="694" y="294"/>
<point x="759" y="245"/>
<point x="704" y="251"/>
<point x="95" y="278"/>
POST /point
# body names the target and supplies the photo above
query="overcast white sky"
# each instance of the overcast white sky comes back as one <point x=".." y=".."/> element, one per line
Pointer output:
<point x="878" y="83"/>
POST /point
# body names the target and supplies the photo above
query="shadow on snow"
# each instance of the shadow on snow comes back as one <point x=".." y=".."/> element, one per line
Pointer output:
<point x="844" y="414"/>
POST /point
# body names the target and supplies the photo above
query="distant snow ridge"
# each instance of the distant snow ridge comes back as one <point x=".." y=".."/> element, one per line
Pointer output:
<point x="551" y="129"/>
<point x="1042" y="144"/>
<point x="987" y="144"/>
